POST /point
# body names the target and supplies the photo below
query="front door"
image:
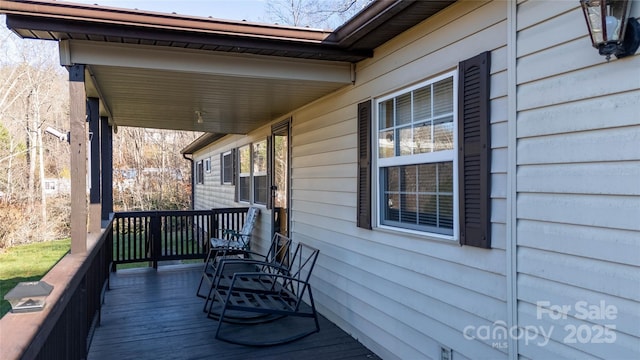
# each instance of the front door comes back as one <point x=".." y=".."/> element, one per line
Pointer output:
<point x="280" y="176"/>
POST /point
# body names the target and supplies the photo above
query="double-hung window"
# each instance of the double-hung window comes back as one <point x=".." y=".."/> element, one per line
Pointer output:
<point x="416" y="157"/>
<point x="260" y="172"/>
<point x="244" y="175"/>
<point x="427" y="150"/>
<point x="252" y="177"/>
<point x="199" y="172"/>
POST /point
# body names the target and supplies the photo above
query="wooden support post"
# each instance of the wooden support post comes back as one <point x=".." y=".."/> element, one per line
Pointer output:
<point x="106" y="154"/>
<point x="78" y="150"/>
<point x="95" y="208"/>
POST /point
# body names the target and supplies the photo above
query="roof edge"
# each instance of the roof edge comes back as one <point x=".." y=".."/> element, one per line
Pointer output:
<point x="103" y="14"/>
<point x="202" y="141"/>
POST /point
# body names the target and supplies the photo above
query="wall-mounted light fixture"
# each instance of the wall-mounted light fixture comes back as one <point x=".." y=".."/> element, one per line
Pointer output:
<point x="611" y="29"/>
<point x="199" y="118"/>
<point x="59" y="134"/>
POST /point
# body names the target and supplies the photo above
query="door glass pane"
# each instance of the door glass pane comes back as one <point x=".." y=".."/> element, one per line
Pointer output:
<point x="280" y="164"/>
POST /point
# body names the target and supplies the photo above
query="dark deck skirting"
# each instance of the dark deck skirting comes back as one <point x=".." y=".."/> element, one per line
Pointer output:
<point x="151" y="314"/>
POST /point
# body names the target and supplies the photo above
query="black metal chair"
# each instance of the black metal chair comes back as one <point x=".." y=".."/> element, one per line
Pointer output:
<point x="280" y="305"/>
<point x="240" y="240"/>
<point x="232" y="243"/>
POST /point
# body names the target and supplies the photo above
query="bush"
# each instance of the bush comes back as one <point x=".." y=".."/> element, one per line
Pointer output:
<point x="11" y="219"/>
<point x="21" y="225"/>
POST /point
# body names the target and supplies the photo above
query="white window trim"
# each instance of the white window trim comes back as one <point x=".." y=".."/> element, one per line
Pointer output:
<point x="438" y="156"/>
<point x="207" y="165"/>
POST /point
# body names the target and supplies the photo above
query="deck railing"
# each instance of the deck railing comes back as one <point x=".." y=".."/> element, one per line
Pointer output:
<point x="154" y="236"/>
<point x="64" y="328"/>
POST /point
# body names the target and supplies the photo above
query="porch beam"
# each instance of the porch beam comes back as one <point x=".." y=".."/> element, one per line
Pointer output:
<point x="78" y="150"/>
<point x="203" y="62"/>
<point x="93" y="109"/>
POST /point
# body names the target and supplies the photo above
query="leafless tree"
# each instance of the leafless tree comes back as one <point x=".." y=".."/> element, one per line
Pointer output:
<point x="149" y="172"/>
<point x="327" y="14"/>
<point x="29" y="95"/>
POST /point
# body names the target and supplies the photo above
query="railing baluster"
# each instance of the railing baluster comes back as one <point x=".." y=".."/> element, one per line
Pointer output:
<point x="127" y="252"/>
<point x="162" y="235"/>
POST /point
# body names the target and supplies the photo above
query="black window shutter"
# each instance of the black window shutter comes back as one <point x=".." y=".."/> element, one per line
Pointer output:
<point x="221" y="168"/>
<point x="364" y="164"/>
<point x="474" y="149"/>
<point x="236" y="181"/>
<point x="234" y="165"/>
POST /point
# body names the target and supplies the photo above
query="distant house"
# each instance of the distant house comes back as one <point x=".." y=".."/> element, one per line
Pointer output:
<point x="53" y="186"/>
<point x="469" y="170"/>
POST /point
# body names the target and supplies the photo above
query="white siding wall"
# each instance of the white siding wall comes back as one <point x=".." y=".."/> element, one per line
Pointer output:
<point x="578" y="184"/>
<point x="402" y="295"/>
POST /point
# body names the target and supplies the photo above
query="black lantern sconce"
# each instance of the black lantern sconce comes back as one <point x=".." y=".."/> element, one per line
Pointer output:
<point x="611" y="29"/>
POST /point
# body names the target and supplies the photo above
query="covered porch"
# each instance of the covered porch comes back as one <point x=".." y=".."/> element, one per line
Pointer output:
<point x="150" y="314"/>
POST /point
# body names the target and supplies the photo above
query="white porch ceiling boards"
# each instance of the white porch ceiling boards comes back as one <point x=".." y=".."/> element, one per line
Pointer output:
<point x="163" y="87"/>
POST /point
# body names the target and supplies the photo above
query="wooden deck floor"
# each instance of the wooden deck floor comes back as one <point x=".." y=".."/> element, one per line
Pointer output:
<point x="152" y="314"/>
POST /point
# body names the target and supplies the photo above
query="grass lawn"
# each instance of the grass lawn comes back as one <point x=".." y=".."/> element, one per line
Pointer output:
<point x="28" y="263"/>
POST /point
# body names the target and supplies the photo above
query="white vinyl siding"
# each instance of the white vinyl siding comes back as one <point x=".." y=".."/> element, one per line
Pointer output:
<point x="578" y="234"/>
<point x="575" y="237"/>
<point x="401" y="294"/>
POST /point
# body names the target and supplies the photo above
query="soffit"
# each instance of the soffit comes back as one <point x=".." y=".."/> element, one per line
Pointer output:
<point x="145" y="86"/>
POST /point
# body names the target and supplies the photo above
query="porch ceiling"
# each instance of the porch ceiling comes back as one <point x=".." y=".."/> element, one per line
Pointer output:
<point x="158" y="70"/>
<point x="146" y="86"/>
<point x="168" y="99"/>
